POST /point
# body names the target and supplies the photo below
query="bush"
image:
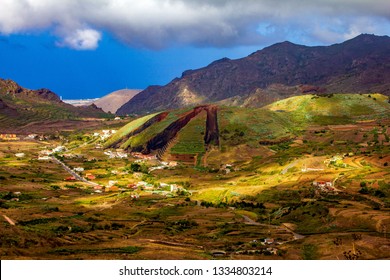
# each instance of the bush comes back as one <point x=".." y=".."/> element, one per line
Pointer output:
<point x="309" y="252"/>
<point x="364" y="190"/>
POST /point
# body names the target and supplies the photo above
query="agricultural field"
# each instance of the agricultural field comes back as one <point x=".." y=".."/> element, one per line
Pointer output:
<point x="271" y="188"/>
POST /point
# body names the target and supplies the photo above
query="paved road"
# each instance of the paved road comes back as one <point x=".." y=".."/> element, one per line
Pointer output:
<point x="284" y="171"/>
<point x="12" y="223"/>
<point x="71" y="172"/>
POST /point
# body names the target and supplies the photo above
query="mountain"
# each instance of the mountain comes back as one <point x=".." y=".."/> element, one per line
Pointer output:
<point x="189" y="134"/>
<point x="109" y="103"/>
<point x="20" y="106"/>
<point x="359" y="65"/>
<point x="114" y="100"/>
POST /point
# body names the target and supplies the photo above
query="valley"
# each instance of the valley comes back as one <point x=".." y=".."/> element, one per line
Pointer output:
<point x="306" y="177"/>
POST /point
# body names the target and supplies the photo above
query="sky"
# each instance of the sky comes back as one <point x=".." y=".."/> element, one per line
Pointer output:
<point x="88" y="48"/>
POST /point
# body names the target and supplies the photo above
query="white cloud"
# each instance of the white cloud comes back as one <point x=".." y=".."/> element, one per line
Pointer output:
<point x="160" y="23"/>
<point x="82" y="39"/>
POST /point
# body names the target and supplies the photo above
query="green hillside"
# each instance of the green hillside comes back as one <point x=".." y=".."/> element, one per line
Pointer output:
<point x="144" y="136"/>
<point x="128" y="129"/>
<point x="190" y="140"/>
<point x="332" y="109"/>
<point x="279" y="122"/>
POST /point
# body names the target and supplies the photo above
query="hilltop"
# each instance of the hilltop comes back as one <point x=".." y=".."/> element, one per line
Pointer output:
<point x="109" y="103"/>
<point x="114" y="100"/>
<point x="359" y="65"/>
<point x="20" y="106"/>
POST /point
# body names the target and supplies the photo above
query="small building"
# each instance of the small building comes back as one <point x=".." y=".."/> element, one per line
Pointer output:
<point x="269" y="241"/>
<point x="111" y="183"/>
<point x="59" y="149"/>
<point x="20" y="155"/>
<point x="90" y="176"/>
<point x="78" y="169"/>
<point x="44" y="158"/>
<point x="46" y="152"/>
<point x="132" y="186"/>
<point x="71" y="178"/>
<point x="323" y="186"/>
<point x="32" y="136"/>
<point x="111" y="189"/>
<point x="174" y="188"/>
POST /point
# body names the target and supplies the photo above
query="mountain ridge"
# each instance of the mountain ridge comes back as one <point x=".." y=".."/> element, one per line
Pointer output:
<point x="358" y="65"/>
<point x="20" y="106"/>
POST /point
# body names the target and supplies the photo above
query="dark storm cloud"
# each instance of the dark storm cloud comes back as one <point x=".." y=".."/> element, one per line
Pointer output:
<point x="219" y="23"/>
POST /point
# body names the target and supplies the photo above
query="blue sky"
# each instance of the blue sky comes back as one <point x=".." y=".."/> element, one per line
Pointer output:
<point x="35" y="62"/>
<point x="88" y="48"/>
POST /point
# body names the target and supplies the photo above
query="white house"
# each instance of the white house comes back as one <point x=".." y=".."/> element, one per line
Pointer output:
<point x="44" y="158"/>
<point x="58" y="149"/>
<point x="78" y="169"/>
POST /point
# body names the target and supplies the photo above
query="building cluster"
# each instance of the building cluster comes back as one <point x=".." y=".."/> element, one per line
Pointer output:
<point x="142" y="156"/>
<point x="336" y="160"/>
<point x="323" y="186"/>
<point x="160" y="188"/>
<point x="45" y="154"/>
<point x="116" y="154"/>
<point x="163" y="165"/>
<point x="57" y="149"/>
<point x="9" y="137"/>
<point x="105" y="133"/>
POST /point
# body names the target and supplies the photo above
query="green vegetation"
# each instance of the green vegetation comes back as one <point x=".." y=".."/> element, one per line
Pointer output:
<point x="309" y="252"/>
<point x="190" y="140"/>
<point x="143" y="137"/>
<point x="128" y="129"/>
<point x="337" y="109"/>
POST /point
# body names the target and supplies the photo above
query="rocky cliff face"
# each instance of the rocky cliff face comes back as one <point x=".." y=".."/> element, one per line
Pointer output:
<point x="360" y="65"/>
<point x="9" y="87"/>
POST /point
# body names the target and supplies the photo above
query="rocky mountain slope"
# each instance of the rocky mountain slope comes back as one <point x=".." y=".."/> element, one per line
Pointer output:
<point x="359" y="65"/>
<point x="114" y="100"/>
<point x="20" y="106"/>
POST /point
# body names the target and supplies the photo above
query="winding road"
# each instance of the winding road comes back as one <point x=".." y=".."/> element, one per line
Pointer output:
<point x="252" y="222"/>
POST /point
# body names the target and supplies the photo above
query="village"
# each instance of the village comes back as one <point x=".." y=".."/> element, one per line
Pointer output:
<point x="78" y="173"/>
